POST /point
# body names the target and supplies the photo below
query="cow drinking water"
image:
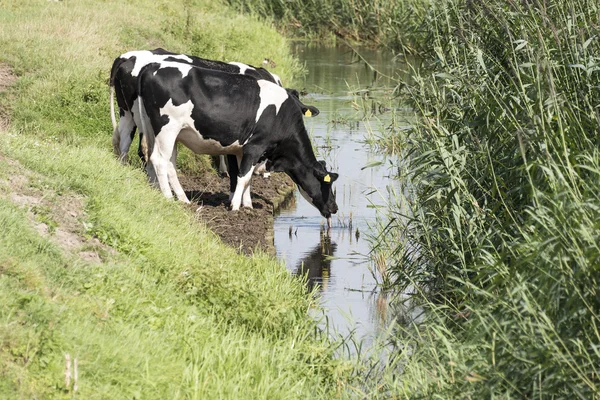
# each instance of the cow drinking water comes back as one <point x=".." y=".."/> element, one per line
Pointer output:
<point x="212" y="112"/>
<point x="123" y="82"/>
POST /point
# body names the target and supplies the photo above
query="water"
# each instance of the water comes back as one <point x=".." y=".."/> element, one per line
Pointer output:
<point x="336" y="262"/>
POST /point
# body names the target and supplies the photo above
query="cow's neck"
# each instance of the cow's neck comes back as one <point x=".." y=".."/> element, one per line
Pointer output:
<point x="295" y="157"/>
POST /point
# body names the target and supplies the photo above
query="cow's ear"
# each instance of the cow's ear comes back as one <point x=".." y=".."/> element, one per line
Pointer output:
<point x="322" y="175"/>
<point x="310" y="111"/>
<point x="330" y="177"/>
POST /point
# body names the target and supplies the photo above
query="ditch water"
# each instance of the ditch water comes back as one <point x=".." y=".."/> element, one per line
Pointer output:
<point x="337" y="262"/>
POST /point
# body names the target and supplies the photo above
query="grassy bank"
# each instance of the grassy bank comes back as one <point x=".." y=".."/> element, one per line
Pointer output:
<point x="95" y="264"/>
<point x="499" y="226"/>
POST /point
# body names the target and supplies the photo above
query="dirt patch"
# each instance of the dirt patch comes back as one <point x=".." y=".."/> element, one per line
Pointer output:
<point x="59" y="217"/>
<point x="7" y="77"/>
<point x="247" y="229"/>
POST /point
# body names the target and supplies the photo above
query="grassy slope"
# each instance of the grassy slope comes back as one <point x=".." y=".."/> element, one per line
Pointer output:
<point x="169" y="312"/>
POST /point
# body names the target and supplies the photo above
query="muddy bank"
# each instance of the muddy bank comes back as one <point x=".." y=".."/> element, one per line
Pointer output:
<point x="247" y="229"/>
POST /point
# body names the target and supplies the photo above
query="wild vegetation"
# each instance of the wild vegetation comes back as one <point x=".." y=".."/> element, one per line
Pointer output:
<point x="391" y="23"/>
<point x="498" y="230"/>
<point x="496" y="233"/>
<point x="96" y="265"/>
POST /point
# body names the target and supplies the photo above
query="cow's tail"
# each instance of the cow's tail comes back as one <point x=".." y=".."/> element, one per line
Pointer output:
<point x="112" y="107"/>
<point x="147" y="140"/>
<point x="116" y="139"/>
<point x="147" y="134"/>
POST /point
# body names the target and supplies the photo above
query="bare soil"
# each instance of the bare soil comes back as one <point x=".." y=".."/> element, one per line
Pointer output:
<point x="246" y="229"/>
<point x="59" y="217"/>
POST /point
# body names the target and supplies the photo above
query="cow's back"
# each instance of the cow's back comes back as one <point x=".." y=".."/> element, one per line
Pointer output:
<point x="219" y="105"/>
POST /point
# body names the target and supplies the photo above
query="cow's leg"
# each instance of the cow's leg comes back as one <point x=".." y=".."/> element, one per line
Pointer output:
<point x="160" y="166"/>
<point x="223" y="170"/>
<point x="126" y="130"/>
<point x="247" y="165"/>
<point x="246" y="198"/>
<point x="164" y="146"/>
<point x="234" y="163"/>
<point x="152" y="178"/>
<point x="261" y="168"/>
<point x="243" y="182"/>
<point x="233" y="169"/>
<point x="173" y="179"/>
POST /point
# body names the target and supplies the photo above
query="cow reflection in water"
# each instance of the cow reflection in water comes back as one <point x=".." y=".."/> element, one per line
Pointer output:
<point x="317" y="263"/>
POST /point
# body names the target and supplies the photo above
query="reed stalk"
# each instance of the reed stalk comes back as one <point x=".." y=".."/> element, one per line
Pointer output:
<point x="501" y="234"/>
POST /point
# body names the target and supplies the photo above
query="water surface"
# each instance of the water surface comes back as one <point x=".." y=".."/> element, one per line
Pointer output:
<point x="336" y="262"/>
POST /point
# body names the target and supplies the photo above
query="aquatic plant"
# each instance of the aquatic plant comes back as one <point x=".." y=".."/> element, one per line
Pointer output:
<point x="502" y="228"/>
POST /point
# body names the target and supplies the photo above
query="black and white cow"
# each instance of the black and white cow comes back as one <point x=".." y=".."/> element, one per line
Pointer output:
<point x="123" y="82"/>
<point x="212" y="112"/>
<point x="123" y="78"/>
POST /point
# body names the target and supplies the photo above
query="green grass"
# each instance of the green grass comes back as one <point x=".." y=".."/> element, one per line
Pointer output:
<point x="497" y="231"/>
<point x="165" y="310"/>
<point x="63" y="53"/>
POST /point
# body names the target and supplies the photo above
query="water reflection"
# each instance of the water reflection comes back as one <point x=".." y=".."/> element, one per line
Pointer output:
<point x="316" y="265"/>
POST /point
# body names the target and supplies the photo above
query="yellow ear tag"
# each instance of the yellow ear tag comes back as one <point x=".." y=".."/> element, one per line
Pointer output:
<point x="307" y="113"/>
<point x="327" y="178"/>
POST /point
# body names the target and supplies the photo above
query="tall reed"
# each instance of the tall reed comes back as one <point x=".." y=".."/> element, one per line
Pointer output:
<point x="382" y="22"/>
<point x="503" y="187"/>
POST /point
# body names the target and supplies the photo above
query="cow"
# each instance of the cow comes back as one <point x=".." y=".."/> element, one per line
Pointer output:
<point x="123" y="77"/>
<point x="213" y="112"/>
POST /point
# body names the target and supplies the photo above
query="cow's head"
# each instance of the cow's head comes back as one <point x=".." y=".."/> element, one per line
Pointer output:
<point x="315" y="185"/>
<point x="307" y="111"/>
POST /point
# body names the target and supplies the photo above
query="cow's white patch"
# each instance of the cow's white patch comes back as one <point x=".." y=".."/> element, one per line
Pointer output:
<point x="181" y="114"/>
<point x="145" y="57"/>
<point x="277" y="79"/>
<point x="183" y="68"/>
<point x="243" y="67"/>
<point x="242" y="185"/>
<point x="270" y="93"/>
